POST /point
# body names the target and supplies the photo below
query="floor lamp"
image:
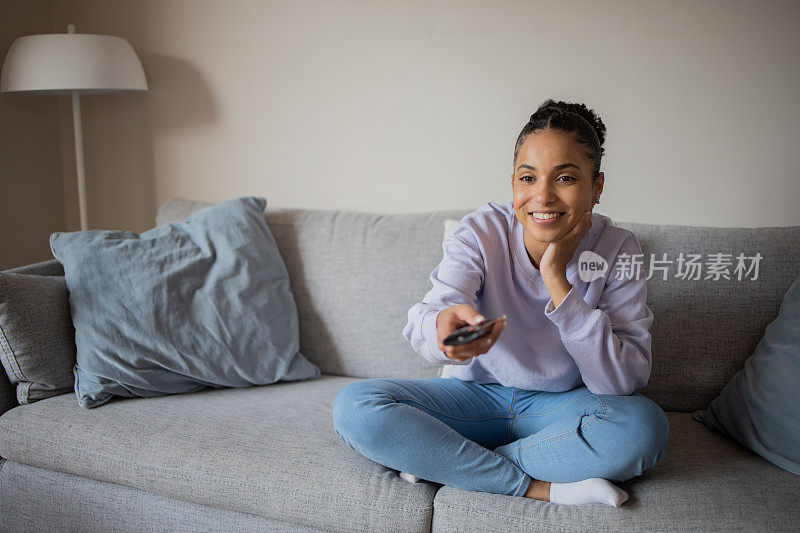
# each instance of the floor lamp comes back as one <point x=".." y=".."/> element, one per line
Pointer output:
<point x="72" y="63"/>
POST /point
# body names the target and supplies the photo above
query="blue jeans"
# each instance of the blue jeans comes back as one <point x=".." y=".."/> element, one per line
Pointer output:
<point x="491" y="438"/>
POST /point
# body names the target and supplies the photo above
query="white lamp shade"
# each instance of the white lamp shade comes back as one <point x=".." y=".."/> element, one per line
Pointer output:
<point x="64" y="62"/>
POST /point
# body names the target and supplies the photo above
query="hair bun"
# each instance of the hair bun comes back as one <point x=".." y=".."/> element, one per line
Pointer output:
<point x="551" y="107"/>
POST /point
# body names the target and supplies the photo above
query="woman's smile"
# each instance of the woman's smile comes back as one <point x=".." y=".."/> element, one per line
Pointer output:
<point x="546" y="218"/>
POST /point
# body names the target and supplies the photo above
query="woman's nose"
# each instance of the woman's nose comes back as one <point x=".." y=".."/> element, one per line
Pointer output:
<point x="543" y="193"/>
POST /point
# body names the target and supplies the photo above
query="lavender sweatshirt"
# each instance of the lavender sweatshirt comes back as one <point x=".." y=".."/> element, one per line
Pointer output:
<point x="598" y="336"/>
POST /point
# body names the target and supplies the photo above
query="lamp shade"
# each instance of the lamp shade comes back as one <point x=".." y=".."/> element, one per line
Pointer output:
<point x="63" y="62"/>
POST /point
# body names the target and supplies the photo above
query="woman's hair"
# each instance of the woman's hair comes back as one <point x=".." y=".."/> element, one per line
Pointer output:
<point x="574" y="118"/>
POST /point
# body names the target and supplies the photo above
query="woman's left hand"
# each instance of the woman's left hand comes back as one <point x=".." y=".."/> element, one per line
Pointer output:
<point x="553" y="264"/>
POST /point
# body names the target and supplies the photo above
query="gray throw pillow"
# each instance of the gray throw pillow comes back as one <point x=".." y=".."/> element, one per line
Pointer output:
<point x="183" y="307"/>
<point x="37" y="340"/>
<point x="760" y="405"/>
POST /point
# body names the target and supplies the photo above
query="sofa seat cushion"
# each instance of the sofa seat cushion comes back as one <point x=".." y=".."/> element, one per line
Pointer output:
<point x="704" y="482"/>
<point x="267" y="450"/>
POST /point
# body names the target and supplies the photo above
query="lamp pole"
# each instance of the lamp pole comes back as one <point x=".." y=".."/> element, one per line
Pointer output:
<point x="81" y="170"/>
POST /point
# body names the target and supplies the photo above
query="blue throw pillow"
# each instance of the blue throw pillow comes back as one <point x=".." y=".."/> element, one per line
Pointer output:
<point x="193" y="305"/>
<point x="760" y="406"/>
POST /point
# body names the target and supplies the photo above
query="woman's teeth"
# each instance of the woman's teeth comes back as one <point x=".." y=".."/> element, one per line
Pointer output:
<point x="546" y="216"/>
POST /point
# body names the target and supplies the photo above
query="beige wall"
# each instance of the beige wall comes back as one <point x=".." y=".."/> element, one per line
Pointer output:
<point x="31" y="190"/>
<point x="409" y="106"/>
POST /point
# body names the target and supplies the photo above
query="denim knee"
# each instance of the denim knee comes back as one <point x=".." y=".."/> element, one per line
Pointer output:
<point x="640" y="428"/>
<point x="344" y="402"/>
<point x="652" y="429"/>
<point x="353" y="404"/>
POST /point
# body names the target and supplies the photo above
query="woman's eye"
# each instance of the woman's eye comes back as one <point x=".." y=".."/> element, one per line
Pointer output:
<point x="560" y="178"/>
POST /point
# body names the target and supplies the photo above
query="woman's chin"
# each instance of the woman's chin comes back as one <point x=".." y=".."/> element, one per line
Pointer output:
<point x="544" y="236"/>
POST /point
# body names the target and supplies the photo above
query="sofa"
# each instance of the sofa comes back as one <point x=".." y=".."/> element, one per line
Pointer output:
<point x="267" y="458"/>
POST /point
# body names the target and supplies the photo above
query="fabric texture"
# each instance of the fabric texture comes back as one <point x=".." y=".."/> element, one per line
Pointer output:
<point x="369" y="269"/>
<point x="597" y="336"/>
<point x="37" y="339"/>
<point x="696" y="310"/>
<point x="204" y="303"/>
<point x="354" y="276"/>
<point x="36" y="500"/>
<point x="269" y="451"/>
<point x="272" y="452"/>
<point x="759" y="406"/>
<point x="704" y="482"/>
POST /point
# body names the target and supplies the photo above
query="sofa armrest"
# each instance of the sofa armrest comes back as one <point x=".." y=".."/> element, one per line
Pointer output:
<point x="8" y="392"/>
<point x="44" y="268"/>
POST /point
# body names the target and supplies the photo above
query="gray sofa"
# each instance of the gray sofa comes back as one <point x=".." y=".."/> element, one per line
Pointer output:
<point x="268" y="459"/>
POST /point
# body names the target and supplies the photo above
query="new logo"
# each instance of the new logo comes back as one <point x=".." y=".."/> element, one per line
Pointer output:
<point x="591" y="266"/>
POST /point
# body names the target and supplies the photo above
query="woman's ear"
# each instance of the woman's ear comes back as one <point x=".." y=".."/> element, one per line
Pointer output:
<point x="598" y="188"/>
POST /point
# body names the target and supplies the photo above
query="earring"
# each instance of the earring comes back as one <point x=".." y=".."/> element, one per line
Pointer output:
<point x="597" y="200"/>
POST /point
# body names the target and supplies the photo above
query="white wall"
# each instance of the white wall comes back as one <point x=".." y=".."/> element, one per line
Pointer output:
<point x="403" y="106"/>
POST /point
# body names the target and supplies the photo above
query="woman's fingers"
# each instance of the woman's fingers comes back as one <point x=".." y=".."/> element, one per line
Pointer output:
<point x="478" y="346"/>
<point x="457" y="316"/>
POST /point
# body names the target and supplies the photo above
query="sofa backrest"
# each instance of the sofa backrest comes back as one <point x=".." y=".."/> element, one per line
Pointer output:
<point x="704" y="329"/>
<point x="355" y="275"/>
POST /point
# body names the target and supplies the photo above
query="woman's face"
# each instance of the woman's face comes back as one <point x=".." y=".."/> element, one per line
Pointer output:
<point x="551" y="175"/>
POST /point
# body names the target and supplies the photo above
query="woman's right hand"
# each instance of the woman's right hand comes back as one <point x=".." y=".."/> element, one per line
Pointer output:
<point x="450" y="319"/>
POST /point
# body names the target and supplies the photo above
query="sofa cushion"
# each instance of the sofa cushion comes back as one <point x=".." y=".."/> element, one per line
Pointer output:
<point x="268" y="450"/>
<point x="354" y="276"/>
<point x="759" y="406"/>
<point x="704" y="482"/>
<point x="37" y="339"/>
<point x="36" y="500"/>
<point x="200" y="303"/>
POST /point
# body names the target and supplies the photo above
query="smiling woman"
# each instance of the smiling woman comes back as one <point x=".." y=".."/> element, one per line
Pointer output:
<point x="549" y="410"/>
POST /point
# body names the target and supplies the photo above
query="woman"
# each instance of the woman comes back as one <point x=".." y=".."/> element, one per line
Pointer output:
<point x="548" y="410"/>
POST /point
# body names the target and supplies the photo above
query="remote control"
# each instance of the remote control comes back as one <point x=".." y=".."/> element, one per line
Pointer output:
<point x="469" y="333"/>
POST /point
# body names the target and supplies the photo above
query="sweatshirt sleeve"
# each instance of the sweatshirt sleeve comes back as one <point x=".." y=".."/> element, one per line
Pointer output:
<point x="456" y="280"/>
<point x="610" y="344"/>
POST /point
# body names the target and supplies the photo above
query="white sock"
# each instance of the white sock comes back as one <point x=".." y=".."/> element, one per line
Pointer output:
<point x="409" y="477"/>
<point x="592" y="490"/>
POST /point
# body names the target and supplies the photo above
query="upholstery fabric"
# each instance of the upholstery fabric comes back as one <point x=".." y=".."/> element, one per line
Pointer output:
<point x="704" y="482"/>
<point x="8" y="391"/>
<point x="692" y="362"/>
<point x="65" y="502"/>
<point x="183" y="307"/>
<point x="272" y="451"/>
<point x="759" y="405"/>
<point x="37" y="339"/>
<point x="354" y="276"/>
<point x="706" y="328"/>
<point x="269" y="451"/>
<point x="51" y="267"/>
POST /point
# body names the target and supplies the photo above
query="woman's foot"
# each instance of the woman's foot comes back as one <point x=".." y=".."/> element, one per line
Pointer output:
<point x="592" y="490"/>
<point x="409" y="477"/>
<point x="538" y="490"/>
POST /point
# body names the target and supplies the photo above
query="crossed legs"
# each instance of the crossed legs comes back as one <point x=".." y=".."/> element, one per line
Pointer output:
<point x="503" y="440"/>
